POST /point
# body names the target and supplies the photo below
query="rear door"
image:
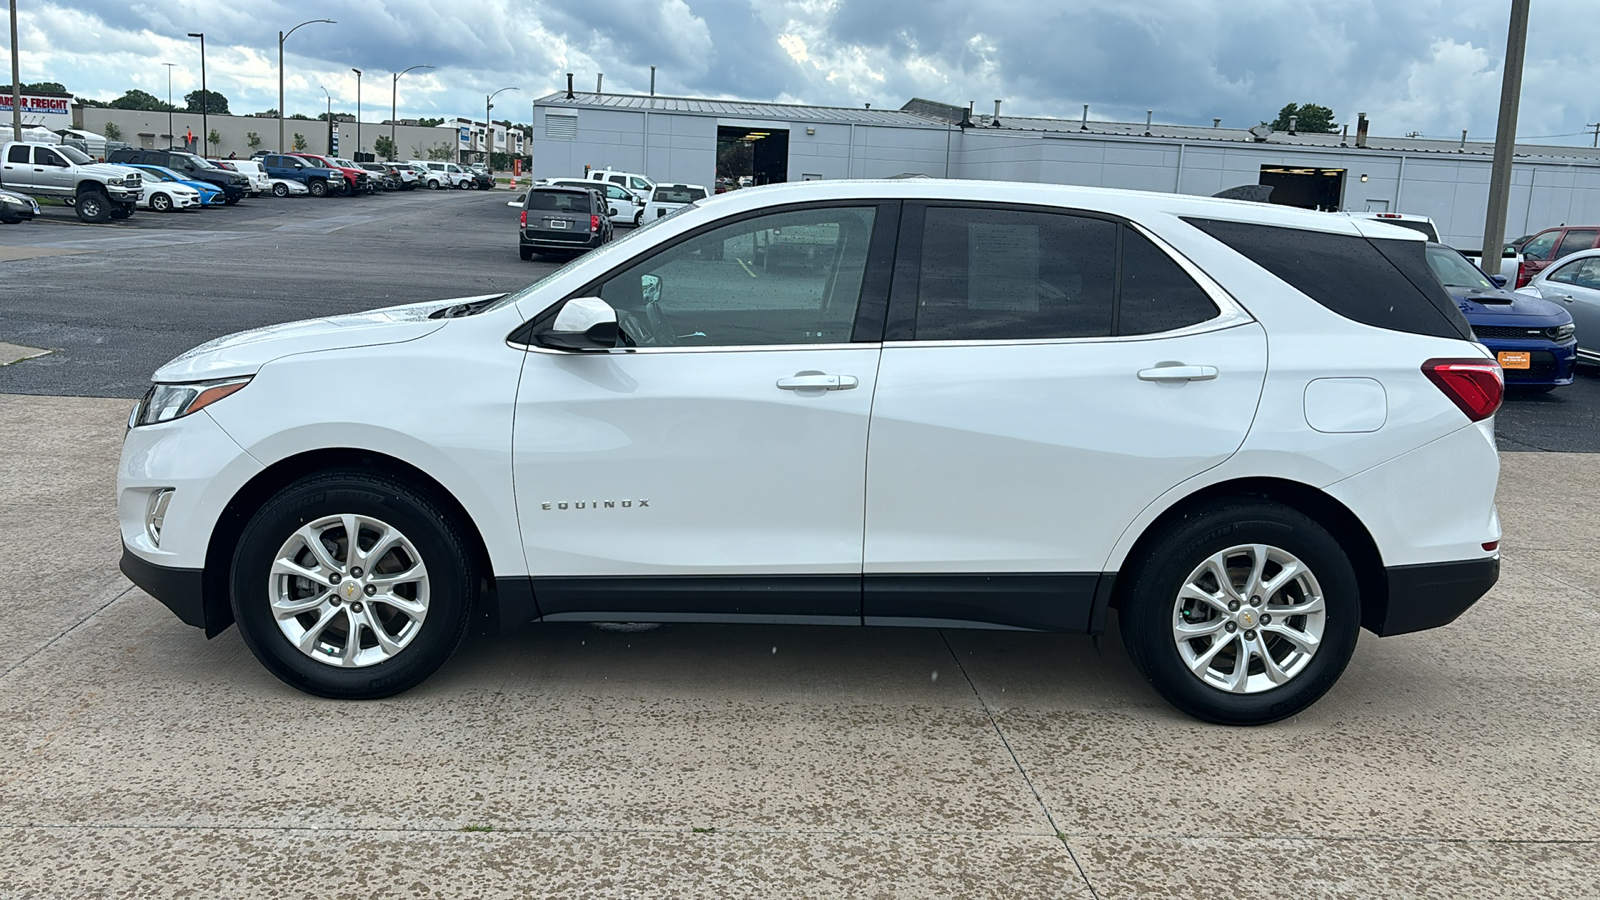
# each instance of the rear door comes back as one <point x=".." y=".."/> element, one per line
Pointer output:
<point x="1047" y="374"/>
<point x="18" y="167"/>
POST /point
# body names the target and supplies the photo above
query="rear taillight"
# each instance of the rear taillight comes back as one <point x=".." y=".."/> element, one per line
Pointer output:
<point x="594" y="223"/>
<point x="1523" y="275"/>
<point x="1475" y="385"/>
<point x="524" y="218"/>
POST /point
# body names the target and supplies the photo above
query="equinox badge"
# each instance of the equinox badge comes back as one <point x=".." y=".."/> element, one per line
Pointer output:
<point x="595" y="504"/>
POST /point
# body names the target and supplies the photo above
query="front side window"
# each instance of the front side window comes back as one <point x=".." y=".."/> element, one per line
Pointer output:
<point x="43" y="157"/>
<point x="639" y="184"/>
<point x="1540" y="246"/>
<point x="617" y="179"/>
<point x="783" y="278"/>
<point x="997" y="274"/>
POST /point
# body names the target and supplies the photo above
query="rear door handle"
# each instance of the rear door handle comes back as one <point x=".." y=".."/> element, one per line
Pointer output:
<point x="1178" y="373"/>
<point x="818" y="381"/>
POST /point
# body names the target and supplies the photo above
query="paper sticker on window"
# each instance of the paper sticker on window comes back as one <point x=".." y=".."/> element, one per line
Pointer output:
<point x="1003" y="267"/>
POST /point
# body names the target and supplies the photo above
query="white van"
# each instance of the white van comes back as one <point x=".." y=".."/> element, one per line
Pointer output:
<point x="443" y="174"/>
<point x="642" y="185"/>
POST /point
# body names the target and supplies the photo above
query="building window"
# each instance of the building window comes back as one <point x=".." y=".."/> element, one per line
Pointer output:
<point x="561" y="128"/>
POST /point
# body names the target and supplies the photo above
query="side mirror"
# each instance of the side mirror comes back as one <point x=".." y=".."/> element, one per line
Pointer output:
<point x="1499" y="280"/>
<point x="611" y="211"/>
<point x="584" y="324"/>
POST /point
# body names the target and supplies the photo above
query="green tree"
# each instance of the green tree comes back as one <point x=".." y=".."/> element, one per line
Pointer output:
<point x="112" y="132"/>
<point x="137" y="99"/>
<point x="441" y="153"/>
<point x="215" y="104"/>
<point x="429" y="123"/>
<point x="301" y="116"/>
<point x="384" y="147"/>
<point x="299" y="141"/>
<point x="1309" y="117"/>
<point x="215" y="139"/>
<point x="253" y="139"/>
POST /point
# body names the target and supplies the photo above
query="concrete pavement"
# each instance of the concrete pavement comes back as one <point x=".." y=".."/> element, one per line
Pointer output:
<point x="138" y="759"/>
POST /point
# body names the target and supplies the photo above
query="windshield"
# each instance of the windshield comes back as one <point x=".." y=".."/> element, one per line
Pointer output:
<point x="346" y="164"/>
<point x="157" y="174"/>
<point x="1453" y="270"/>
<point x="198" y="162"/>
<point x="78" y="157"/>
<point x="605" y="250"/>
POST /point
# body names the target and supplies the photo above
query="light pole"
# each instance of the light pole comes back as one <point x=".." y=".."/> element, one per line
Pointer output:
<point x="358" y="112"/>
<point x="205" y="135"/>
<point x="281" y="36"/>
<point x="394" y="94"/>
<point x="16" y="80"/>
<point x="488" y="129"/>
<point x="170" y="135"/>
<point x="1505" y="141"/>
<point x="330" y="117"/>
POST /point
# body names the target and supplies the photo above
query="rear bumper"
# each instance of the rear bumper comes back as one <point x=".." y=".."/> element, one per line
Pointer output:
<point x="1429" y="595"/>
<point x="593" y="240"/>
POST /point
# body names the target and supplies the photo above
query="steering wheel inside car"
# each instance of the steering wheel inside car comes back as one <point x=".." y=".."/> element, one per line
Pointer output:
<point x="659" y="325"/>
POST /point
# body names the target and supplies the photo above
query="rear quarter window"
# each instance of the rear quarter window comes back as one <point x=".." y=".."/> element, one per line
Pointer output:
<point x="1378" y="282"/>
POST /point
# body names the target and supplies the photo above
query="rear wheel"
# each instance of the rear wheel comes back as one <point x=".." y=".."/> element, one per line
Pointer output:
<point x="433" y="184"/>
<point x="161" y="203"/>
<point x="352" y="586"/>
<point x="1242" y="612"/>
<point x="280" y="190"/>
<point x="527" y="252"/>
<point x="93" y="206"/>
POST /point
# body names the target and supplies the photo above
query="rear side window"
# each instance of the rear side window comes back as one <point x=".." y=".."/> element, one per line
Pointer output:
<point x="17" y="154"/>
<point x="1383" y="283"/>
<point x="558" y="201"/>
<point x="1157" y="295"/>
<point x="1577" y="239"/>
<point x="1000" y="274"/>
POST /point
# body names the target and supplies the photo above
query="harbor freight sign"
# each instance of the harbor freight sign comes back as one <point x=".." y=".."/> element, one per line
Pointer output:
<point x="39" y="105"/>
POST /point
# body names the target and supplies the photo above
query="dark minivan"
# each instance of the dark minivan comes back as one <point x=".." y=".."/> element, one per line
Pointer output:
<point x="563" y="219"/>
<point x="233" y="185"/>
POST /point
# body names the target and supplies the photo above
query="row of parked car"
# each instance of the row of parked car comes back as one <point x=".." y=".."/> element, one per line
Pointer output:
<point x="575" y="215"/>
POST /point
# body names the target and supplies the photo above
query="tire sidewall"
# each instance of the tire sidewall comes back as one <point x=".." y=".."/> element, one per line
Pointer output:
<point x="1146" y="616"/>
<point x="161" y="203"/>
<point x="450" y="573"/>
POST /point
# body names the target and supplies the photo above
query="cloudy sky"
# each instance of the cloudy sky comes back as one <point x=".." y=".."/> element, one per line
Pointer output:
<point x="1428" y="66"/>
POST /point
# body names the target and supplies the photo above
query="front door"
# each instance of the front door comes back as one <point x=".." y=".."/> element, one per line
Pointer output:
<point x="716" y="469"/>
<point x="51" y="170"/>
<point x="1046" y="376"/>
<point x="1576" y="286"/>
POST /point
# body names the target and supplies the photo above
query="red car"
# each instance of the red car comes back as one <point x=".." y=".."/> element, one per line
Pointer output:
<point x="1550" y="245"/>
<point x="355" y="179"/>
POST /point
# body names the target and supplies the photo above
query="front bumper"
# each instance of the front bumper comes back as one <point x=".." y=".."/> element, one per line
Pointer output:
<point x="180" y="590"/>
<point x="1429" y="595"/>
<point x="124" y="194"/>
<point x="1549" y="362"/>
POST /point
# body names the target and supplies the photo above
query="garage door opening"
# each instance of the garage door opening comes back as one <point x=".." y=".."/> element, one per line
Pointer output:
<point x="1307" y="188"/>
<point x="751" y="156"/>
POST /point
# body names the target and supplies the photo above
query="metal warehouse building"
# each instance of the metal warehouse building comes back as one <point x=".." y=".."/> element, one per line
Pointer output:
<point x="678" y="139"/>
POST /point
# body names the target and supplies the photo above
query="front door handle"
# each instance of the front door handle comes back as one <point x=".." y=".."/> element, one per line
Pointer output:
<point x="817" y="381"/>
<point x="1178" y="373"/>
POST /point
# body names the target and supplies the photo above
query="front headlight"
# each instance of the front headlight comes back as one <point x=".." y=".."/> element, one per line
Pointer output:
<point x="114" y="180"/>
<point x="1562" y="332"/>
<point x="165" y="402"/>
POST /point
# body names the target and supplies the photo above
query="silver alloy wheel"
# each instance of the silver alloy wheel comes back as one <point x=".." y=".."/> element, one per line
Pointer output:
<point x="349" y="602"/>
<point x="1249" y="619"/>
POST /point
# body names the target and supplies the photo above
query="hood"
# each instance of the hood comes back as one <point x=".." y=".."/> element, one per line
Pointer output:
<point x="1506" y="308"/>
<point x="110" y="170"/>
<point x="246" y="352"/>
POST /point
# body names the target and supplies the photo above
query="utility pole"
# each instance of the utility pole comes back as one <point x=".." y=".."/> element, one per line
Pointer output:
<point x="16" y="80"/>
<point x="330" y="117"/>
<point x="170" y="135"/>
<point x="205" y="134"/>
<point x="1505" y="138"/>
<point x="1596" y="134"/>
<point x="358" y="113"/>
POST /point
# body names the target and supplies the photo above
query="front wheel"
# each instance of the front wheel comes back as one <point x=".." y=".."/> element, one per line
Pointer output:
<point x="93" y="206"/>
<point x="161" y="203"/>
<point x="230" y="199"/>
<point x="318" y="188"/>
<point x="1242" y="612"/>
<point x="352" y="586"/>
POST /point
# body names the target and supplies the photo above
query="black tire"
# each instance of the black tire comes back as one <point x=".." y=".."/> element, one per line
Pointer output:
<point x="94" y="206"/>
<point x="1529" y="390"/>
<point x="527" y="252"/>
<point x="433" y="184"/>
<point x="280" y="190"/>
<point x="161" y="203"/>
<point x="1150" y="610"/>
<point x="318" y="187"/>
<point x="439" y="543"/>
<point x="10" y="221"/>
<point x="121" y="211"/>
<point x="230" y="199"/>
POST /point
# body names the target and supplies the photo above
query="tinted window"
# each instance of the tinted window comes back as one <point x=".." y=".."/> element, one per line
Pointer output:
<point x="45" y="157"/>
<point x="1577" y="239"/>
<point x="1383" y="283"/>
<point x="559" y="201"/>
<point x="783" y="278"/>
<point x="17" y="154"/>
<point x="1454" y="271"/>
<point x="1589" y="275"/>
<point x="1157" y="295"/>
<point x="1539" y="247"/>
<point x="996" y="274"/>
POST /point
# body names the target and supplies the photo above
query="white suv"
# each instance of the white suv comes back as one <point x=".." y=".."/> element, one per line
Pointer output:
<point x="936" y="403"/>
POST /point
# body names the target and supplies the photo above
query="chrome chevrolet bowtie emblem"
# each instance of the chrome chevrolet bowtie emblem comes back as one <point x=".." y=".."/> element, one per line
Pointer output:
<point x="1247" y="618"/>
<point x="350" y="590"/>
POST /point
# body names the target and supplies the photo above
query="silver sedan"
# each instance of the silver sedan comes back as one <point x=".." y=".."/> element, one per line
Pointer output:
<point x="1574" y="282"/>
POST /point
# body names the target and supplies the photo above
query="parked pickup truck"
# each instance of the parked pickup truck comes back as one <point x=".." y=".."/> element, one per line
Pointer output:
<point x="98" y="191"/>
<point x="318" y="180"/>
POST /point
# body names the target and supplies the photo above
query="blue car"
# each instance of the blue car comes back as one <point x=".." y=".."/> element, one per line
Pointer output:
<point x="1534" y="339"/>
<point x="210" y="194"/>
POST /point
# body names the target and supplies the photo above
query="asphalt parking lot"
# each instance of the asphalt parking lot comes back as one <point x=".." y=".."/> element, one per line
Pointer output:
<point x="139" y="759"/>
